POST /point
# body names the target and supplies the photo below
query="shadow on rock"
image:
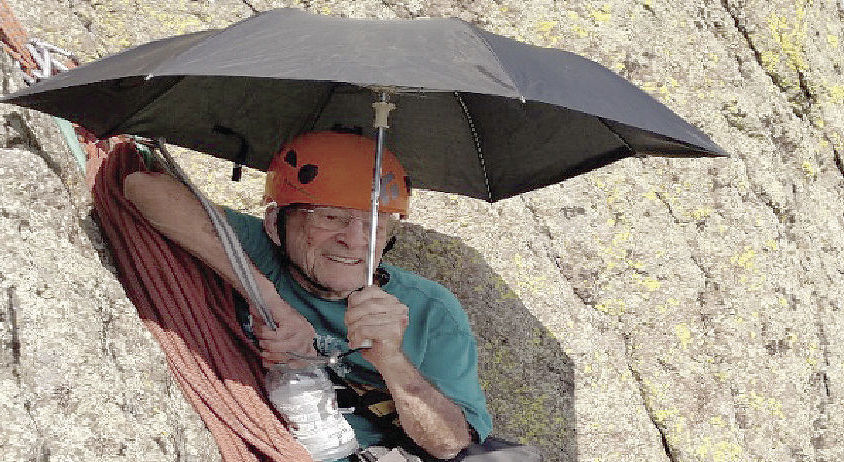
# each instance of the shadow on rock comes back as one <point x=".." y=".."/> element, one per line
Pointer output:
<point x="528" y="379"/>
<point x="91" y="227"/>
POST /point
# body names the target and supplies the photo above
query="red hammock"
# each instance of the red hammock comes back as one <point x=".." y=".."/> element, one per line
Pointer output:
<point x="185" y="305"/>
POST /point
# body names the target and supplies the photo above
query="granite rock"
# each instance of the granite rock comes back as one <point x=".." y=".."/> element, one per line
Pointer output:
<point x="655" y="309"/>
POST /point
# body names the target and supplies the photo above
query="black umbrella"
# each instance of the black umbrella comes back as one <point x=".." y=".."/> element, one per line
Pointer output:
<point x="481" y="115"/>
<point x="476" y="113"/>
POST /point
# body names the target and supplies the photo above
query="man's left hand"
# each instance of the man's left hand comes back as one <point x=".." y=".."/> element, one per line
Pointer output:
<point x="378" y="316"/>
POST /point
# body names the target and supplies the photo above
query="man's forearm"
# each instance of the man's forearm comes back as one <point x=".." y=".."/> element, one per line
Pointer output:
<point x="433" y="421"/>
<point x="177" y="213"/>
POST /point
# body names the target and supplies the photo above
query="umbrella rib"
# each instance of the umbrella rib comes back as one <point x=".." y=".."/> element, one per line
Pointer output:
<point x="477" y="142"/>
<point x="315" y="116"/>
<point x="112" y="130"/>
<point x="476" y="32"/>
<point x="620" y="138"/>
<point x="691" y="146"/>
<point x="215" y="34"/>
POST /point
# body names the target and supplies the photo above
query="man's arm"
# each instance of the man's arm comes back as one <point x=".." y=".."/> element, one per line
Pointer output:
<point x="177" y="214"/>
<point x="432" y="420"/>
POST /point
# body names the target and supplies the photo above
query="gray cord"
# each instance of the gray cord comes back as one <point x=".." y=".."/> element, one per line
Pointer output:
<point x="231" y="244"/>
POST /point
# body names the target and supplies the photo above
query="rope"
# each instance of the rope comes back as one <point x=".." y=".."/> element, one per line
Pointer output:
<point x="14" y="39"/>
<point x="36" y="58"/>
<point x="44" y="55"/>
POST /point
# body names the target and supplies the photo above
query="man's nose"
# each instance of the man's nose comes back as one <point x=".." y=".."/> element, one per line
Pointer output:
<point x="356" y="233"/>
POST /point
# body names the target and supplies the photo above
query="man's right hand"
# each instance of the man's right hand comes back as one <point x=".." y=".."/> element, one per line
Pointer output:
<point x="293" y="334"/>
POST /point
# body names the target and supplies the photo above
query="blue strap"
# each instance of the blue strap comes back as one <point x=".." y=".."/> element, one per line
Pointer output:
<point x="66" y="128"/>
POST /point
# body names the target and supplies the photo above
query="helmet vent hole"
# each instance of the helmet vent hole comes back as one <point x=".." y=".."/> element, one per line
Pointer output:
<point x="290" y="158"/>
<point x="307" y="173"/>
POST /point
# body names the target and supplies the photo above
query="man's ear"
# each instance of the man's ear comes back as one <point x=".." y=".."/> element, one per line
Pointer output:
<point x="270" y="222"/>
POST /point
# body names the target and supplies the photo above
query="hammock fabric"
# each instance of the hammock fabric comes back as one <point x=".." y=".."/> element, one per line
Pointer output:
<point x="186" y="306"/>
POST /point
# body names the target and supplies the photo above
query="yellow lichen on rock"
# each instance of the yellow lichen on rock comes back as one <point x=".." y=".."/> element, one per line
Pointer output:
<point x="790" y="35"/>
<point x="745" y="259"/>
<point x="612" y="307"/>
<point x="601" y="14"/>
<point x="648" y="282"/>
<point x="719" y="451"/>
<point x="835" y="94"/>
<point x="809" y="169"/>
<point x="684" y="334"/>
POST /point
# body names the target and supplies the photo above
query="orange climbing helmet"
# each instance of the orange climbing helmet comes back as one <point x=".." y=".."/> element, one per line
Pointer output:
<point x="335" y="169"/>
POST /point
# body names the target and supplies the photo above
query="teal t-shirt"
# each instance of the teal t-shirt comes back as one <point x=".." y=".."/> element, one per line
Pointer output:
<point x="438" y="340"/>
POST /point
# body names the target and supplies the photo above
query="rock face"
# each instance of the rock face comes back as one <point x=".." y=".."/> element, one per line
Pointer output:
<point x="80" y="377"/>
<point x="659" y="310"/>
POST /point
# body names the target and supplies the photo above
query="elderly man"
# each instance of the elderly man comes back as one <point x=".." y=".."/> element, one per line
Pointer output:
<point x="309" y="257"/>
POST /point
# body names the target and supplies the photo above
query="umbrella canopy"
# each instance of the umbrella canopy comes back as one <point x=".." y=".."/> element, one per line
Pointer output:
<point x="477" y="114"/>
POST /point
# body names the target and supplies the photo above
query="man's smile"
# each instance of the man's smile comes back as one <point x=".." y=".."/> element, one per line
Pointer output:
<point x="343" y="260"/>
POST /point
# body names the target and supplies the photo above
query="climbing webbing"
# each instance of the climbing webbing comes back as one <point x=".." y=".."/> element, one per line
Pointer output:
<point x="187" y="307"/>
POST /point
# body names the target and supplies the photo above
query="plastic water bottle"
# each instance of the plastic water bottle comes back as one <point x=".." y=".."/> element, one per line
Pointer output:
<point x="305" y="395"/>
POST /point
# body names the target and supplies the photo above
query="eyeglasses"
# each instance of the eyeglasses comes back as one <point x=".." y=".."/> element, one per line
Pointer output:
<point x="333" y="219"/>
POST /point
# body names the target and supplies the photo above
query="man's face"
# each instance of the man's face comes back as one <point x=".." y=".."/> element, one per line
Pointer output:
<point x="329" y="245"/>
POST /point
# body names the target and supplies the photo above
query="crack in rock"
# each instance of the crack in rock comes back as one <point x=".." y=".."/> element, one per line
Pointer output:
<point x="743" y="31"/>
<point x="821" y="422"/>
<point x="826" y="386"/>
<point x="84" y="21"/>
<point x="641" y="386"/>
<point x="15" y="335"/>
<point x="837" y="156"/>
<point x="775" y="79"/>
<point x="43" y="447"/>
<point x="548" y="244"/>
<point x="824" y="343"/>
<point x="804" y="88"/>
<point x="782" y="214"/>
<point x="177" y="437"/>
<point x="250" y="6"/>
<point x="19" y="134"/>
<point x="22" y="135"/>
<point x="708" y="283"/>
<point x="665" y="201"/>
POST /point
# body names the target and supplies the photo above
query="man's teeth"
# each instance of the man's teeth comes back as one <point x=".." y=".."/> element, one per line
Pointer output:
<point x="347" y="261"/>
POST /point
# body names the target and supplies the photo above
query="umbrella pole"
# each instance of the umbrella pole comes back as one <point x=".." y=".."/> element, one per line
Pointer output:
<point x="382" y="111"/>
